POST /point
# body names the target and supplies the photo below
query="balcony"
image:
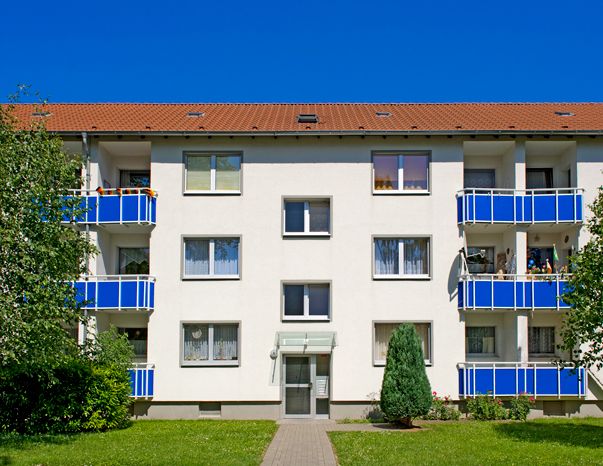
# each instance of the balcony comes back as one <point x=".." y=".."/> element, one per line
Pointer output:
<point x="488" y="291"/>
<point x="116" y="292"/>
<point x="123" y="206"/>
<point x="513" y="379"/>
<point x="142" y="378"/>
<point x="509" y="206"/>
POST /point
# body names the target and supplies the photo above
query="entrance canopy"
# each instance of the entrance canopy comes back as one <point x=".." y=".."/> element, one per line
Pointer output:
<point x="305" y="342"/>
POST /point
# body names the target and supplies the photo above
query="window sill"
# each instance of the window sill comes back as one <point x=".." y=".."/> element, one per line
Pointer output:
<point x="211" y="277"/>
<point x="211" y="193"/>
<point x="406" y="192"/>
<point x="306" y="318"/>
<point x="402" y="277"/>
<point x="306" y="235"/>
<point x="209" y="363"/>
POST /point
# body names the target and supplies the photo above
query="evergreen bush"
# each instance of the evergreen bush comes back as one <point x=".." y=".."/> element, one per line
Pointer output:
<point x="405" y="391"/>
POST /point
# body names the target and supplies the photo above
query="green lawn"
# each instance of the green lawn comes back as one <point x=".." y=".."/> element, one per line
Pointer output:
<point x="147" y="443"/>
<point x="551" y="441"/>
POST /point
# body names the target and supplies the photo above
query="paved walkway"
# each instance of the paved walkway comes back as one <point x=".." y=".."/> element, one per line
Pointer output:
<point x="301" y="443"/>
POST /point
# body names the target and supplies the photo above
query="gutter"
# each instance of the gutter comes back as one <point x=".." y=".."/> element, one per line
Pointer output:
<point x="86" y="148"/>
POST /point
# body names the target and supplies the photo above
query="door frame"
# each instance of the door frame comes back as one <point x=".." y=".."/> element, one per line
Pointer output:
<point x="313" y="397"/>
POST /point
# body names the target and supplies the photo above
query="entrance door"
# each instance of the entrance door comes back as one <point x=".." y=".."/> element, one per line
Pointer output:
<point x="306" y="385"/>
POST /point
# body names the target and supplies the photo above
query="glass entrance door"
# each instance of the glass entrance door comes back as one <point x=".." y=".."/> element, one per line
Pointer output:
<point x="298" y="386"/>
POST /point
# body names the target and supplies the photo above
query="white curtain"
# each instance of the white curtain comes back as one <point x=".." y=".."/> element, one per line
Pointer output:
<point x="383" y="333"/>
<point x="226" y="256"/>
<point x="225" y="342"/>
<point x="415" y="256"/>
<point x="542" y="340"/>
<point x="196" y="342"/>
<point x="386" y="257"/>
<point x="196" y="257"/>
<point x="198" y="172"/>
<point x="480" y="340"/>
<point x="319" y="216"/>
<point x="228" y="168"/>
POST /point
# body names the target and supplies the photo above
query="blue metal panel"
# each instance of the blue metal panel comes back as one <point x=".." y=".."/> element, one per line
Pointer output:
<point x="503" y="294"/>
<point x="570" y="382"/>
<point x="108" y="294"/>
<point x="128" y="293"/>
<point x="484" y="381"/>
<point x="459" y="209"/>
<point x="460" y="294"/>
<point x="483" y="293"/>
<point x="505" y="381"/>
<point x="503" y="208"/>
<point x="151" y="382"/>
<point x="152" y="295"/>
<point x="129" y="205"/>
<point x="483" y="208"/>
<point x="527" y="208"/>
<point x="544" y="208"/>
<point x="579" y="207"/>
<point x="565" y="204"/>
<point x="108" y="209"/>
<point x="546" y="381"/>
<point x="461" y="381"/>
<point x="545" y="294"/>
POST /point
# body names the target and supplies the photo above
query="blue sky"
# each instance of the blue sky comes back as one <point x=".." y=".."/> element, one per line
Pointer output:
<point x="303" y="50"/>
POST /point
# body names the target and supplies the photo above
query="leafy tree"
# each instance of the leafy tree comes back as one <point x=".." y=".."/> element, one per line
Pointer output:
<point x="39" y="256"/>
<point x="405" y="392"/>
<point x="582" y="331"/>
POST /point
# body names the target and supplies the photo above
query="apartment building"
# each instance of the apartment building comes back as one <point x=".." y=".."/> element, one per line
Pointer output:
<point x="258" y="256"/>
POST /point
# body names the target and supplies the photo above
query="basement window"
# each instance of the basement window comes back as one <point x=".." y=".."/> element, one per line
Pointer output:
<point x="307" y="118"/>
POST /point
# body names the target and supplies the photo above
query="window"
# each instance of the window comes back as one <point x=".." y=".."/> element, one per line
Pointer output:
<point x="537" y="257"/>
<point x="479" y="178"/>
<point x="206" y="344"/>
<point x="306" y="301"/>
<point x="397" y="173"/>
<point x="307" y="217"/>
<point x="480" y="259"/>
<point x="539" y="178"/>
<point x="541" y="340"/>
<point x="135" y="178"/>
<point x="137" y="337"/>
<point x="133" y="261"/>
<point x="383" y="333"/>
<point x="479" y="340"/>
<point x="217" y="173"/>
<point x="211" y="257"/>
<point x="401" y="257"/>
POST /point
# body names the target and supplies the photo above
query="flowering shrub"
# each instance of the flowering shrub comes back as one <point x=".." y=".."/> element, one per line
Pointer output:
<point x="486" y="408"/>
<point x="520" y="407"/>
<point x="442" y="409"/>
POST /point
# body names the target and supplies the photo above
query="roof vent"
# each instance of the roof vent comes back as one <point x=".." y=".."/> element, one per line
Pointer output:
<point x="564" y="114"/>
<point x="307" y="118"/>
<point x="383" y="114"/>
<point x="195" y="114"/>
<point x="41" y="114"/>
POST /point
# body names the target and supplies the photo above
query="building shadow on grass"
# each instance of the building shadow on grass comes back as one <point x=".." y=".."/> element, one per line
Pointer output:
<point x="10" y="442"/>
<point x="575" y="433"/>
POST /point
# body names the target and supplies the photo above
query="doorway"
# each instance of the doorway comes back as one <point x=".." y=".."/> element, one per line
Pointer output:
<point x="306" y="385"/>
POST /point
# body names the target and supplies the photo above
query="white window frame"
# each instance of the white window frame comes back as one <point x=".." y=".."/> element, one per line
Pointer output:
<point x="400" y="156"/>
<point x="210" y="343"/>
<point x="306" y="315"/>
<point x="307" y="201"/>
<point x="212" y="155"/>
<point x="211" y="275"/>
<point x="428" y="361"/>
<point x="401" y="275"/>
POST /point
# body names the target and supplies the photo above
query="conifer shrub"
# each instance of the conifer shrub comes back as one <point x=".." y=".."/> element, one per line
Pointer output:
<point x="405" y="391"/>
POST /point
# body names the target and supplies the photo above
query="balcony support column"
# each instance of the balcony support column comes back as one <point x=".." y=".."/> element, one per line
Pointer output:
<point x="521" y="332"/>
<point x="520" y="165"/>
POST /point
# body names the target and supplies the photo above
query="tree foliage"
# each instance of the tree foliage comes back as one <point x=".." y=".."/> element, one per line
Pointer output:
<point x="582" y="331"/>
<point x="39" y="256"/>
<point x="405" y="392"/>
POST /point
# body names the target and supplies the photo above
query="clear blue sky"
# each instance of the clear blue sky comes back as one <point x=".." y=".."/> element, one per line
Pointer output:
<point x="303" y="50"/>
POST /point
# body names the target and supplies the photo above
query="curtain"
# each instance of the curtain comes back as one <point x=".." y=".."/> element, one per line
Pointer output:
<point x="196" y="257"/>
<point x="134" y="261"/>
<point x="226" y="256"/>
<point x="196" y="342"/>
<point x="319" y="300"/>
<point x="386" y="257"/>
<point x="225" y="342"/>
<point x="415" y="256"/>
<point x="385" y="169"/>
<point x="228" y="168"/>
<point x="319" y="216"/>
<point x="541" y="340"/>
<point x="198" y="172"/>
<point x="479" y="340"/>
<point x="415" y="171"/>
<point x="479" y="179"/>
<point x="383" y="333"/>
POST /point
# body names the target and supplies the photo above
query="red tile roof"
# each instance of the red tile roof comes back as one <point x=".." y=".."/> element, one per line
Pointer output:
<point x="337" y="118"/>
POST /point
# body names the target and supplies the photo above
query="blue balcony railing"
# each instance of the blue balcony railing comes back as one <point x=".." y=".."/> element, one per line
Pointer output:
<point x="519" y="207"/>
<point x="142" y="380"/>
<point x="117" y="292"/>
<point x="513" y="379"/>
<point x="476" y="291"/>
<point x="124" y="206"/>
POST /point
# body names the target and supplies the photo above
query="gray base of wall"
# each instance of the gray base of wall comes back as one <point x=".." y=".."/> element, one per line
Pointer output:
<point x="338" y="409"/>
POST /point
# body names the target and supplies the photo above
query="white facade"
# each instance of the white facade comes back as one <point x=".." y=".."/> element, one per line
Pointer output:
<point x="338" y="170"/>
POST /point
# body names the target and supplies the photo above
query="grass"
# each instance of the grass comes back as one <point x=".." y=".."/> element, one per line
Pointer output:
<point x="203" y="442"/>
<point x="550" y="441"/>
